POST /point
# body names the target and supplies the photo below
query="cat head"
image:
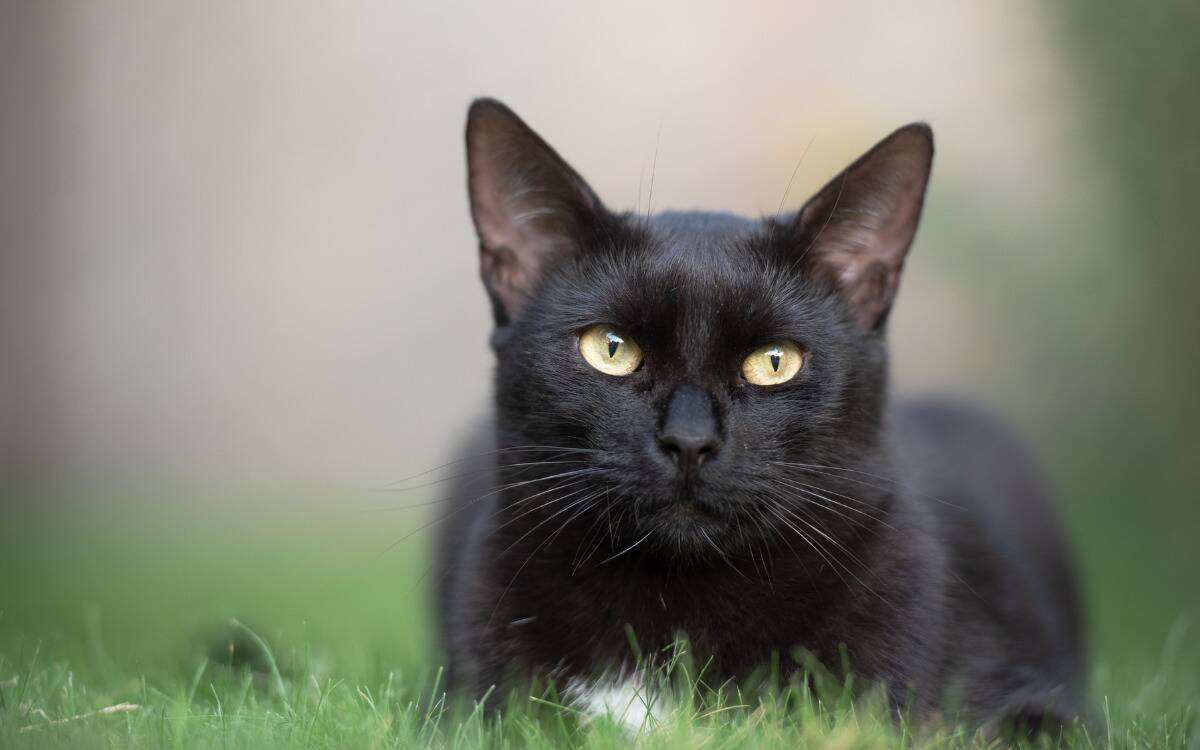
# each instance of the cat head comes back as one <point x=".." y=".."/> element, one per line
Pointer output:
<point x="672" y="373"/>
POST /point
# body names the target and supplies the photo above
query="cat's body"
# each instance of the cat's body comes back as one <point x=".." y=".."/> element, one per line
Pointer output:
<point x="681" y="498"/>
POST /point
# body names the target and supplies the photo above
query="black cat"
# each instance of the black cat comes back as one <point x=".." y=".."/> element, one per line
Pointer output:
<point x="693" y="434"/>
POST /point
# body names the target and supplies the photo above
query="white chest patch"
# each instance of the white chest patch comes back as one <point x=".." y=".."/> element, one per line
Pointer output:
<point x="627" y="700"/>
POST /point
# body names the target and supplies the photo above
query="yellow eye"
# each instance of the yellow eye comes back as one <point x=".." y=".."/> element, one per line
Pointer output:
<point x="773" y="364"/>
<point x="610" y="351"/>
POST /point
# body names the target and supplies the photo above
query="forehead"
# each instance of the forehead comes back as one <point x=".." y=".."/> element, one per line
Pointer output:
<point x="696" y="279"/>
<point x="701" y="232"/>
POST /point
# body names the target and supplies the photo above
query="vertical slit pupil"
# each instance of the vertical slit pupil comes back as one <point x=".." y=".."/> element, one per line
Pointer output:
<point x="614" y="343"/>
<point x="775" y="355"/>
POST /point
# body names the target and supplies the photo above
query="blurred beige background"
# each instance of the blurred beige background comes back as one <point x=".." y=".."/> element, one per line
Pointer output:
<point x="236" y="245"/>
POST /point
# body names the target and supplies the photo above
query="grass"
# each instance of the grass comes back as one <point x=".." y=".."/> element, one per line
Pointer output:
<point x="116" y="617"/>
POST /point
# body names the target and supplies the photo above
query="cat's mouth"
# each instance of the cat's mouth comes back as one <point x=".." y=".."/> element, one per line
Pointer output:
<point x="685" y="516"/>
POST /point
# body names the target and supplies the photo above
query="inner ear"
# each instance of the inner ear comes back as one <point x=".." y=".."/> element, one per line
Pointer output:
<point x="856" y="231"/>
<point x="530" y="207"/>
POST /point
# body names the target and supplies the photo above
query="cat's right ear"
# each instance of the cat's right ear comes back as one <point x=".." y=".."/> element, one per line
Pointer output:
<point x="530" y="208"/>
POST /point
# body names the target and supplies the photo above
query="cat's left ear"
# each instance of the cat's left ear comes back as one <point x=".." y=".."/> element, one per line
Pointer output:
<point x="857" y="229"/>
<point x="530" y="207"/>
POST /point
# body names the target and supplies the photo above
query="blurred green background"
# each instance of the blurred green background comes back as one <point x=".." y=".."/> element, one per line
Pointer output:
<point x="237" y="293"/>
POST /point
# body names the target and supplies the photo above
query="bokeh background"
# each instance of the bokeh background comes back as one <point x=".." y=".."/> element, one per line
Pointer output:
<point x="238" y="292"/>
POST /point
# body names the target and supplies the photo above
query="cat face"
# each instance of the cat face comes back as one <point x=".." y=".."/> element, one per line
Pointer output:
<point x="670" y="372"/>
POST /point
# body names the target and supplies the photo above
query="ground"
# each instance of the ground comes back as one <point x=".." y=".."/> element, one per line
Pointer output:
<point x="117" y="616"/>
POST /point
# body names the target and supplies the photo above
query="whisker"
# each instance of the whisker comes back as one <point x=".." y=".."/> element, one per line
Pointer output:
<point x="630" y="548"/>
<point x="511" y="449"/>
<point x="489" y="493"/>
<point x="838" y="545"/>
<point x="547" y="504"/>
<point x="794" y="512"/>
<point x="587" y="544"/>
<point x="465" y="506"/>
<point x="857" y="526"/>
<point x="836" y="201"/>
<point x="775" y="530"/>
<point x="795" y="171"/>
<point x="722" y="554"/>
<point x="766" y="559"/>
<point x="498" y="512"/>
<point x="825" y="535"/>
<point x="546" y="520"/>
<point x="524" y="466"/>
<point x="816" y="492"/>
<point x="809" y="541"/>
<point x="536" y="549"/>
<point x="824" y="471"/>
<point x="653" y="170"/>
<point x="578" y="513"/>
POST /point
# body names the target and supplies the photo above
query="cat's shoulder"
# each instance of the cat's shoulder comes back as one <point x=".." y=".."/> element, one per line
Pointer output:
<point x="952" y="427"/>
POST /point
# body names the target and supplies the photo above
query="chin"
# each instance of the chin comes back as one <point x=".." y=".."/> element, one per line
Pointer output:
<point x="689" y="531"/>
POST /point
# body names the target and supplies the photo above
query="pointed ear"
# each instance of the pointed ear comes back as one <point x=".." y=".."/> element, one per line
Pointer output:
<point x="528" y="205"/>
<point x="858" y="228"/>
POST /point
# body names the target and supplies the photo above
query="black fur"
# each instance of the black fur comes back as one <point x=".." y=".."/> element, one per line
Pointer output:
<point x="932" y="551"/>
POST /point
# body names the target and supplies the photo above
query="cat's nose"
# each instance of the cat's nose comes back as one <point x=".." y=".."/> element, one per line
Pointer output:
<point x="689" y="451"/>
<point x="690" y="434"/>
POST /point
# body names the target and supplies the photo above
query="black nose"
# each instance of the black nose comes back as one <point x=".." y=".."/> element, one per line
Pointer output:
<point x="689" y="431"/>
